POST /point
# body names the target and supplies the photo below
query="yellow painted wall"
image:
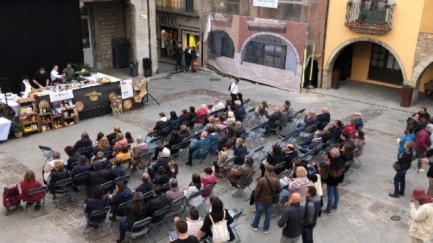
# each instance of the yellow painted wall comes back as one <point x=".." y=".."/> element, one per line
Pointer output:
<point x="427" y="17"/>
<point x="361" y="61"/>
<point x="402" y="38"/>
<point x="427" y="75"/>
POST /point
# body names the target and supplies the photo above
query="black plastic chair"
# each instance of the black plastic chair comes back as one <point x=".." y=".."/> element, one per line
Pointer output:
<point x="97" y="218"/>
<point x="194" y="195"/>
<point x="147" y="196"/>
<point x="63" y="187"/>
<point x="178" y="202"/>
<point x="107" y="187"/>
<point x="158" y="219"/>
<point x="80" y="180"/>
<point x="121" y="210"/>
<point x="235" y="223"/>
<point x="206" y="188"/>
<point x="139" y="228"/>
<point x="241" y="187"/>
<point x="201" y="155"/>
<point x="122" y="179"/>
<point x="42" y="190"/>
<point x="87" y="151"/>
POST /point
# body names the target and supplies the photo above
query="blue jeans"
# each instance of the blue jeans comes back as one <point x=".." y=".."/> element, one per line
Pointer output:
<point x="122" y="230"/>
<point x="333" y="197"/>
<point x="260" y="207"/>
<point x="400" y="182"/>
<point x="307" y="234"/>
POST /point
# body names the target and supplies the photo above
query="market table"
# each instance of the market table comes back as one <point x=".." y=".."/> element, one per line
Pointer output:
<point x="5" y="127"/>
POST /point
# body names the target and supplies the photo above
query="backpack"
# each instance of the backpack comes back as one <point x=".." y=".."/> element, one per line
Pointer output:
<point x="220" y="233"/>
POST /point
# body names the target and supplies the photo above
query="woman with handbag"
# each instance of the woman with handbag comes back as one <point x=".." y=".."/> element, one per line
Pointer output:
<point x="401" y="166"/>
<point x="216" y="224"/>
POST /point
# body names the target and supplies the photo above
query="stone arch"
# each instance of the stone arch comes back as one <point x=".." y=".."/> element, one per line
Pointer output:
<point x="333" y="57"/>
<point x="287" y="42"/>
<point x="224" y="33"/>
<point x="419" y="70"/>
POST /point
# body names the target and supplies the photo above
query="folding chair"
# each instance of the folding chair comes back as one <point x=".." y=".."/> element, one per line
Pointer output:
<point x="296" y="118"/>
<point x="206" y="188"/>
<point x="107" y="187"/>
<point x="240" y="188"/>
<point x="231" y="142"/>
<point x="165" y="187"/>
<point x="127" y="164"/>
<point x="165" y="132"/>
<point x="357" y="158"/>
<point x="80" y="180"/>
<point x="155" y="142"/>
<point x="147" y="196"/>
<point x="235" y="223"/>
<point x="97" y="218"/>
<point x="87" y="151"/>
<point x="256" y="133"/>
<point x="122" y="179"/>
<point x="256" y="154"/>
<point x="121" y="211"/>
<point x="47" y="151"/>
<point x="139" y="228"/>
<point x="346" y="173"/>
<point x="245" y="104"/>
<point x="150" y="136"/>
<point x="194" y="195"/>
<point x="63" y="187"/>
<point x="199" y="125"/>
<point x="178" y="202"/>
<point x="41" y="192"/>
<point x="201" y="155"/>
<point x="249" y="114"/>
<point x="176" y="147"/>
<point x="184" y="145"/>
<point x="158" y="219"/>
<point x="144" y="161"/>
<point x="276" y="128"/>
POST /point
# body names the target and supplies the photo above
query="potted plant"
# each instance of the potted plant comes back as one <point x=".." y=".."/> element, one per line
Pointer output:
<point x="17" y="128"/>
<point x="406" y="95"/>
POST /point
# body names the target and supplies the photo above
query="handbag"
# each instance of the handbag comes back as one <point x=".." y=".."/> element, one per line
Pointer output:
<point x="276" y="196"/>
<point x="220" y="233"/>
<point x="396" y="166"/>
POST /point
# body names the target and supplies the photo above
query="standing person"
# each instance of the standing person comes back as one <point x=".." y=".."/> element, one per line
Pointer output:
<point x="357" y="120"/>
<point x="234" y="89"/>
<point x="55" y="76"/>
<point x="194" y="59"/>
<point x="178" y="52"/>
<point x="264" y="193"/>
<point x="401" y="166"/>
<point x="291" y="220"/>
<point x="421" y="223"/>
<point x="422" y="145"/>
<point x="423" y="113"/>
<point x="217" y="214"/>
<point x="408" y="136"/>
<point x="188" y="59"/>
<point x="334" y="180"/>
<point x="429" y="175"/>
<point x="40" y="79"/>
<point x="68" y="72"/>
<point x="313" y="210"/>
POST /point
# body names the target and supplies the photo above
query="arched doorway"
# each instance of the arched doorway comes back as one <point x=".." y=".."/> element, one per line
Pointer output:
<point x="366" y="59"/>
<point x="422" y="74"/>
<point x="311" y="73"/>
<point x="221" y="44"/>
<point x="270" y="50"/>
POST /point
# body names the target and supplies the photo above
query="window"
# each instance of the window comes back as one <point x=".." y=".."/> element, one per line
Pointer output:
<point x="227" y="48"/>
<point x="270" y="55"/>
<point x="226" y="6"/>
<point x="384" y="66"/>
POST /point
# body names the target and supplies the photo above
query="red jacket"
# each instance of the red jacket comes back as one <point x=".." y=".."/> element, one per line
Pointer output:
<point x="207" y="180"/>
<point x="26" y="186"/>
<point x="199" y="112"/>
<point x="350" y="129"/>
<point x="422" y="141"/>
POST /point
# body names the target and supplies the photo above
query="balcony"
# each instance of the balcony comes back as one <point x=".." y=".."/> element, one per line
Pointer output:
<point x="183" y="7"/>
<point x="369" y="17"/>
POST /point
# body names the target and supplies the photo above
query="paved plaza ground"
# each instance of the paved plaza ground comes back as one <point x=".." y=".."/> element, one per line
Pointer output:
<point x="365" y="210"/>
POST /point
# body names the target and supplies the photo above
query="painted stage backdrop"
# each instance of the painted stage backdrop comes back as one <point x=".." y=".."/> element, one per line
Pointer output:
<point x="262" y="50"/>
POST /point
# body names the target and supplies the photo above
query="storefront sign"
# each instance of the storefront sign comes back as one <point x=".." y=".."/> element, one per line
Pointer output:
<point x="61" y="95"/>
<point x="265" y="3"/>
<point x="167" y="20"/>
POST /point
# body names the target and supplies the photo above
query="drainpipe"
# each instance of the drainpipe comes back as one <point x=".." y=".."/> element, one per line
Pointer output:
<point x="324" y="41"/>
<point x="148" y="29"/>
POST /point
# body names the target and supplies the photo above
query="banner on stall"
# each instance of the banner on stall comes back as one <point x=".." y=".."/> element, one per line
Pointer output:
<point x="126" y="88"/>
<point x="61" y="95"/>
<point x="265" y="3"/>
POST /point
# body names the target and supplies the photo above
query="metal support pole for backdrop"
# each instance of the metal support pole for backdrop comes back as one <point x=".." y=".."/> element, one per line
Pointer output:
<point x="312" y="62"/>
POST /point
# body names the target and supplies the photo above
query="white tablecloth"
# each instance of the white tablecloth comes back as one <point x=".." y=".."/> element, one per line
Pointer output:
<point x="5" y="126"/>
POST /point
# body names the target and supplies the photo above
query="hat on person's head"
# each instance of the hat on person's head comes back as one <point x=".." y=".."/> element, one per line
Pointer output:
<point x="429" y="127"/>
<point x="418" y="193"/>
<point x="162" y="114"/>
<point x="357" y="114"/>
<point x="237" y="102"/>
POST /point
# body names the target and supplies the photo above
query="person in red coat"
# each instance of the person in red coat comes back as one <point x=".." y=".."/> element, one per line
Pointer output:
<point x="26" y="185"/>
<point x="350" y="128"/>
<point x="200" y="112"/>
<point x="422" y="144"/>
<point x="207" y="178"/>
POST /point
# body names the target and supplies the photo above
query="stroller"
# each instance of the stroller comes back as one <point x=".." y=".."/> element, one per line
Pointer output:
<point x="11" y="198"/>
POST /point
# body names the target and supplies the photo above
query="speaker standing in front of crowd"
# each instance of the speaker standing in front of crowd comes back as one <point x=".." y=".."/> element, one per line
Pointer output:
<point x="234" y="89"/>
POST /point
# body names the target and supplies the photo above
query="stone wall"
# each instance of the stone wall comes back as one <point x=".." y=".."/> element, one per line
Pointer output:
<point x="424" y="47"/>
<point x="108" y="19"/>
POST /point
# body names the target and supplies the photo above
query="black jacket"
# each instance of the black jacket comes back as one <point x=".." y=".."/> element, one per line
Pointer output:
<point x="274" y="117"/>
<point x="159" y="126"/>
<point x="405" y="160"/>
<point x="132" y="217"/>
<point x="240" y="153"/>
<point x="145" y="187"/>
<point x="93" y="204"/>
<point x="156" y="203"/>
<point x="58" y="176"/>
<point x="291" y="220"/>
<point x="99" y="177"/>
<point x="240" y="131"/>
<point x="324" y="119"/>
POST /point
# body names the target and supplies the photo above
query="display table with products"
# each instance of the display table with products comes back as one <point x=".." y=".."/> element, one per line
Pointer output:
<point x="5" y="127"/>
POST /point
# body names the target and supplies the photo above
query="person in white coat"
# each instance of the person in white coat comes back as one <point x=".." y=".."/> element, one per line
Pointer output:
<point x="421" y="223"/>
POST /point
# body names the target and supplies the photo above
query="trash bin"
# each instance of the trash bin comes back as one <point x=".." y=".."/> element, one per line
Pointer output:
<point x="147" y="67"/>
<point x="335" y="79"/>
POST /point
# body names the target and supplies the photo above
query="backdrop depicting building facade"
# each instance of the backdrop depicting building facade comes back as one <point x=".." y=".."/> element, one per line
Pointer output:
<point x="135" y="20"/>
<point x="383" y="42"/>
<point x="269" y="42"/>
